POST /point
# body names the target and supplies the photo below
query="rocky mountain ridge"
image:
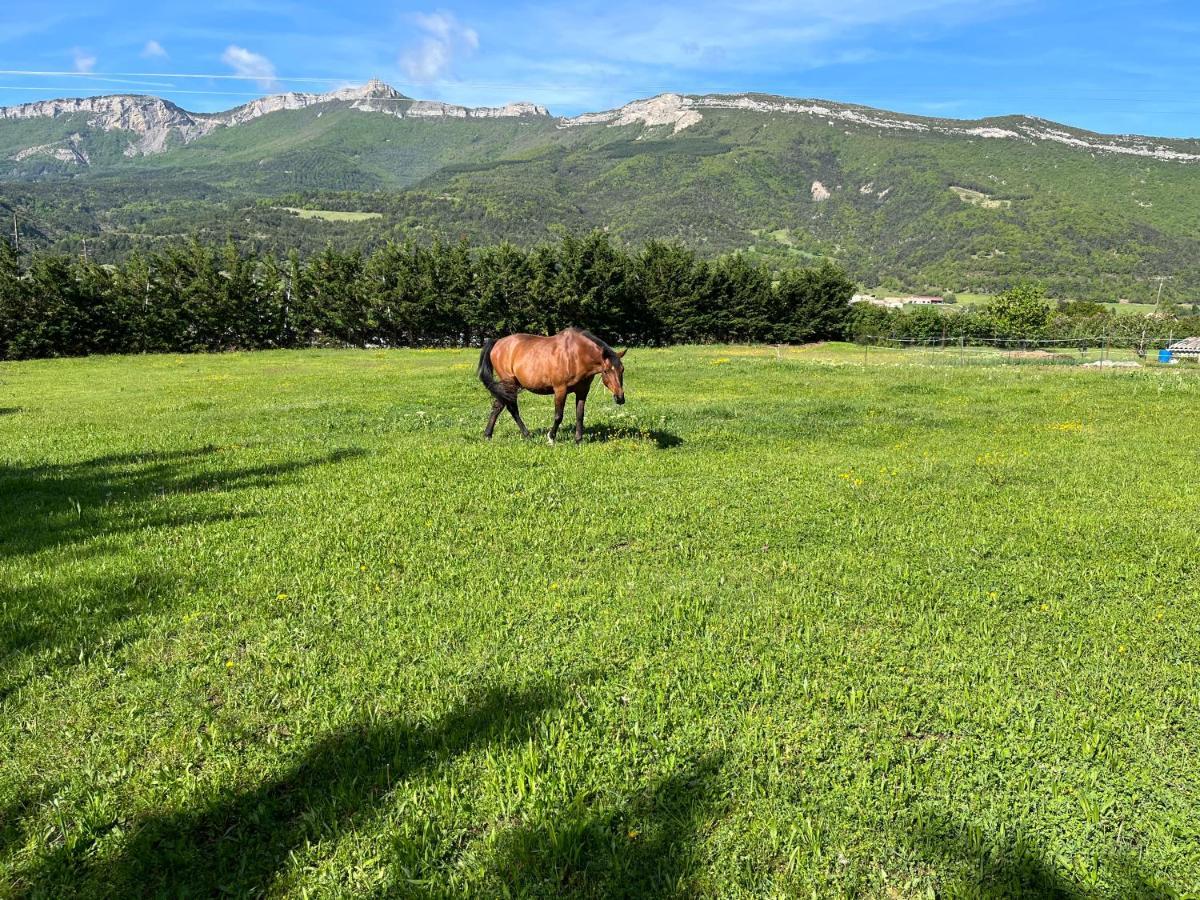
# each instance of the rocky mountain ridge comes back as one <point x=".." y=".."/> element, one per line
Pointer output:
<point x="160" y="124"/>
<point x="680" y="111"/>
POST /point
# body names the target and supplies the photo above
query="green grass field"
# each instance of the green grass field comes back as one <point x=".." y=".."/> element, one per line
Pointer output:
<point x="1131" y="309"/>
<point x="332" y="215"/>
<point x="785" y="625"/>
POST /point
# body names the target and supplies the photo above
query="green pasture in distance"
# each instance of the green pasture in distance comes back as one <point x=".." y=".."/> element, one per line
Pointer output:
<point x="332" y="215"/>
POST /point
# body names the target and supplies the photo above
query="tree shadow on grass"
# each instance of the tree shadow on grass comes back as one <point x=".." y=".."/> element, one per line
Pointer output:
<point x="50" y="505"/>
<point x="1009" y="865"/>
<point x="608" y="431"/>
<point x="11" y="814"/>
<point x="70" y="621"/>
<point x="646" y="846"/>
<point x="239" y="843"/>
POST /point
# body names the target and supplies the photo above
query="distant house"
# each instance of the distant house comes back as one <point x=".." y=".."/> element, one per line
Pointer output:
<point x="1186" y="347"/>
<point x="923" y="300"/>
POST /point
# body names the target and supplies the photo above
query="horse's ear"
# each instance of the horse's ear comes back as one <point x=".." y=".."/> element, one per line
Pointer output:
<point x="621" y="353"/>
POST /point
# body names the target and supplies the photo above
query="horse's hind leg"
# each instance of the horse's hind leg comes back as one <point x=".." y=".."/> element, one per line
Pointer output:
<point x="497" y="406"/>
<point x="516" y="414"/>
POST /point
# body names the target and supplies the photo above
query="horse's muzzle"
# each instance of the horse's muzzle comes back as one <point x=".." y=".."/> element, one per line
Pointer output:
<point x="620" y="400"/>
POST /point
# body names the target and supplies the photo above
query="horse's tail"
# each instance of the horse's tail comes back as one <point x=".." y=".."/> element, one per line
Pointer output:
<point x="505" y="393"/>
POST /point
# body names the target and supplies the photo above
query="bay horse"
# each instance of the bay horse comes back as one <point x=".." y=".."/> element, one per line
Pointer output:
<point x="559" y="365"/>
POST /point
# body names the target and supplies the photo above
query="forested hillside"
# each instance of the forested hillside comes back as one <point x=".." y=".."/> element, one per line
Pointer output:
<point x="912" y="203"/>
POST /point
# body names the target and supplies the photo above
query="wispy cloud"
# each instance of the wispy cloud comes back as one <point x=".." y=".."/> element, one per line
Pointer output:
<point x="445" y="38"/>
<point x="749" y="36"/>
<point x="585" y="55"/>
<point x="153" y="50"/>
<point x="251" y="66"/>
<point x="84" y="61"/>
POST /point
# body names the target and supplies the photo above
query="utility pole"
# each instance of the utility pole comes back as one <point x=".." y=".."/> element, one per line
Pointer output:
<point x="16" y="236"/>
<point x="85" y="251"/>
<point x="1158" y="299"/>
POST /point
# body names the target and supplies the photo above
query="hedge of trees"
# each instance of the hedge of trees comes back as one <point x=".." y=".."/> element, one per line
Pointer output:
<point x="194" y="297"/>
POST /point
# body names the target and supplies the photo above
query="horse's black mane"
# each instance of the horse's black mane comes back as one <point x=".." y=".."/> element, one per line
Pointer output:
<point x="609" y="353"/>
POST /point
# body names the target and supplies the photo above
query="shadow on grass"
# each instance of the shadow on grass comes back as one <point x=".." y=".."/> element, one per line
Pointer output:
<point x="607" y="431"/>
<point x="11" y="814"/>
<point x="70" y="621"/>
<point x="239" y="843"/>
<point x="69" y="617"/>
<point x="1008" y="865"/>
<point x="9" y="410"/>
<point x="49" y="505"/>
<point x="646" y="846"/>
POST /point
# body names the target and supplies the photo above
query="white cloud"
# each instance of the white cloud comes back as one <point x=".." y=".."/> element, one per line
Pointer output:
<point x="250" y="65"/>
<point x="153" y="50"/>
<point x="84" y="61"/>
<point x="445" y="38"/>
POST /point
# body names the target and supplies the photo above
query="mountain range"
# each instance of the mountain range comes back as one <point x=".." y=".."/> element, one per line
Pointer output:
<point x="909" y="201"/>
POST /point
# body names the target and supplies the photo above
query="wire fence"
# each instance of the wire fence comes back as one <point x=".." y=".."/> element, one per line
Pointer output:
<point x="1102" y="351"/>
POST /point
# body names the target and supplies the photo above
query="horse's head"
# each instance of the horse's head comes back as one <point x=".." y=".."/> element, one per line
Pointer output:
<point x="612" y="374"/>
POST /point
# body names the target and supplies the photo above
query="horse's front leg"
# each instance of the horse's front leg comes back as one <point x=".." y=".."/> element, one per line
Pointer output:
<point x="560" y="402"/>
<point x="580" y="400"/>
<point x="581" y="395"/>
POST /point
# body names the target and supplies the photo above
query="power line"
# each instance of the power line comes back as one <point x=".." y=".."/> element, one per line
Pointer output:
<point x="1106" y="95"/>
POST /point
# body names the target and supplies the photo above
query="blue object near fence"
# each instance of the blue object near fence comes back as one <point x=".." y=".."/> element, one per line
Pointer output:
<point x="1164" y="356"/>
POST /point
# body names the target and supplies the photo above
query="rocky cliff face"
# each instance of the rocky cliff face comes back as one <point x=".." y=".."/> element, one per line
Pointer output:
<point x="666" y="109"/>
<point x="152" y="120"/>
<point x="156" y="124"/>
<point x="679" y="112"/>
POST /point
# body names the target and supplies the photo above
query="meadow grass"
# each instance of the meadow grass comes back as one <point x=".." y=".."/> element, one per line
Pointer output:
<point x="1131" y="309"/>
<point x="784" y="625"/>
<point x="332" y="215"/>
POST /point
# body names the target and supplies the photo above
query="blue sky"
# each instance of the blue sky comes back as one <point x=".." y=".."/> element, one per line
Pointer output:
<point x="1109" y="65"/>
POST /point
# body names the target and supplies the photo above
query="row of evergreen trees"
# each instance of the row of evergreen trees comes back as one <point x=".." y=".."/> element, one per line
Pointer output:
<point x="195" y="297"/>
